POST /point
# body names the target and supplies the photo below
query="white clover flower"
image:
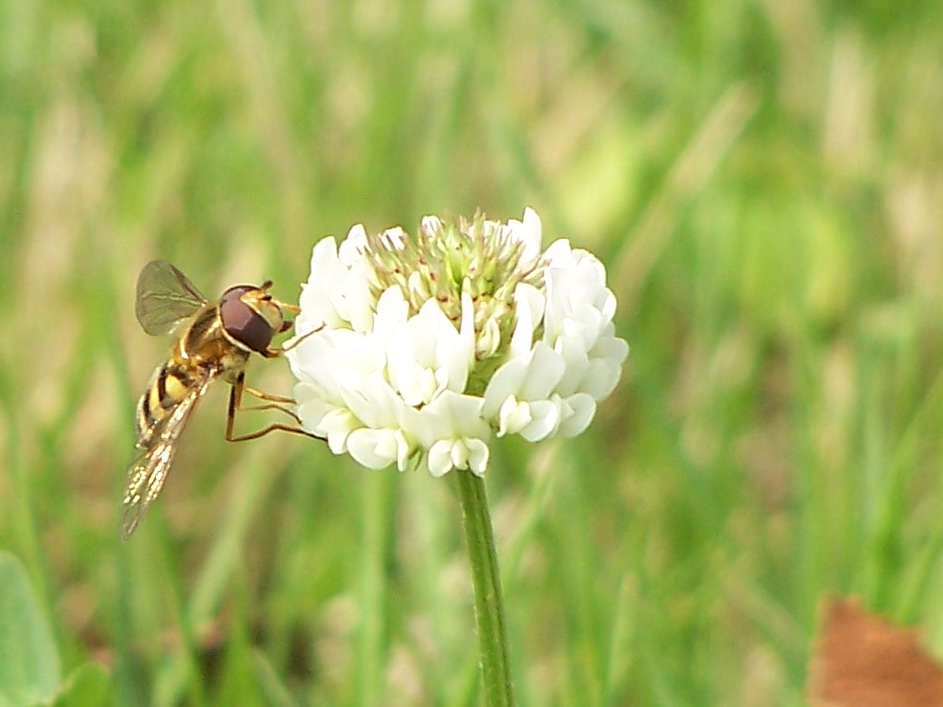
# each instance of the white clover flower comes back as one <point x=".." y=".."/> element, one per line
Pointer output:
<point x="418" y="350"/>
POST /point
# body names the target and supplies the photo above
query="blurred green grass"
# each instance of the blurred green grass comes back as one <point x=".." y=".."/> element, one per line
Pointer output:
<point x="764" y="183"/>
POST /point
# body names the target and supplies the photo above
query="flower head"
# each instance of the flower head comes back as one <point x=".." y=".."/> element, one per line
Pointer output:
<point x="418" y="350"/>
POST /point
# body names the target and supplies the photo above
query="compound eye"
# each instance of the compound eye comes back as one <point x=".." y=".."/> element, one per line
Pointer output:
<point x="242" y="322"/>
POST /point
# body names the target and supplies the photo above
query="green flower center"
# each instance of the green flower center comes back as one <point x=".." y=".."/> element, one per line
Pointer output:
<point x="449" y="259"/>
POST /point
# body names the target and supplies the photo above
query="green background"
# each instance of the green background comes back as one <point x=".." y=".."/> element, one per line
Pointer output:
<point x="764" y="182"/>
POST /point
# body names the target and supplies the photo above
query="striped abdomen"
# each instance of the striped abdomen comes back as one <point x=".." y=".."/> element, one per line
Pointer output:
<point x="169" y="385"/>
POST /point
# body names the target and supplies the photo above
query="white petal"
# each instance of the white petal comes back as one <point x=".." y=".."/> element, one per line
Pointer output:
<point x="559" y="253"/>
<point x="334" y="360"/>
<point x="513" y="416"/>
<point x="544" y="371"/>
<point x="354" y="301"/>
<point x="414" y="383"/>
<point x="337" y="426"/>
<point x="458" y="455"/>
<point x="374" y="401"/>
<point x="430" y="355"/>
<point x="575" y="284"/>
<point x="430" y="225"/>
<point x="455" y="350"/>
<point x="478" y="455"/>
<point x="463" y="350"/>
<point x="411" y="356"/>
<point x="571" y="350"/>
<point x="354" y="245"/>
<point x="607" y="302"/>
<point x="488" y="340"/>
<point x="529" y="378"/>
<point x="392" y="311"/>
<point x="374" y="449"/>
<point x="413" y="380"/>
<point x="528" y="231"/>
<point x="546" y="420"/>
<point x="311" y="405"/>
<point x="439" y="459"/>
<point x="578" y="412"/>
<point x="316" y="306"/>
<point x="529" y="308"/>
<point x="464" y="453"/>
<point x="454" y="433"/>
<point x="612" y="348"/>
<point x="346" y="283"/>
<point x="307" y="359"/>
<point x="452" y="415"/>
<point x="505" y="382"/>
<point x="394" y="238"/>
<point x="603" y="373"/>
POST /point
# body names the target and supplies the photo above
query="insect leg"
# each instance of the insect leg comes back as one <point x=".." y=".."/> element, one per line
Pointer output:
<point x="277" y="402"/>
<point x="262" y="395"/>
<point x="235" y="403"/>
<point x="293" y="308"/>
<point x="276" y="351"/>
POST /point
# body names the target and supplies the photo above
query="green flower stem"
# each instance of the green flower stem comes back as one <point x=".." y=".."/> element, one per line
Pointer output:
<point x="489" y="609"/>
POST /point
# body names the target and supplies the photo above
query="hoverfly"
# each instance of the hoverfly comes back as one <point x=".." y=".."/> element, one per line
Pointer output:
<point x="215" y="341"/>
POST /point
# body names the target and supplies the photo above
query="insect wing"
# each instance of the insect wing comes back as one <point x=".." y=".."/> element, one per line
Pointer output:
<point x="165" y="296"/>
<point x="149" y="470"/>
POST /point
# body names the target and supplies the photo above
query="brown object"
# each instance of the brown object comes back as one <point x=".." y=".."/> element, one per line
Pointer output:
<point x="862" y="660"/>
